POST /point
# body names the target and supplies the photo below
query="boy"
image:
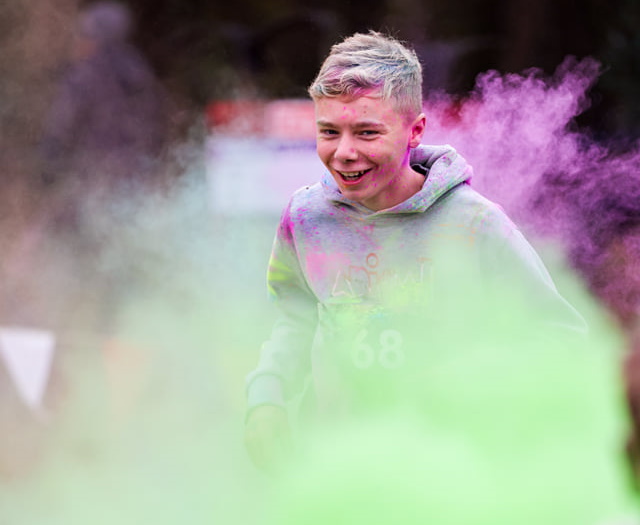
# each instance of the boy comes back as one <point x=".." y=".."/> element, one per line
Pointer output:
<point x="355" y="268"/>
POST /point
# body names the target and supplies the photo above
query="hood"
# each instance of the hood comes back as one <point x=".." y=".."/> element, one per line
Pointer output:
<point x="442" y="167"/>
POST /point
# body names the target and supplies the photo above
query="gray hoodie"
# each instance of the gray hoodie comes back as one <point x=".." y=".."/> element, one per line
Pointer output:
<point x="367" y="299"/>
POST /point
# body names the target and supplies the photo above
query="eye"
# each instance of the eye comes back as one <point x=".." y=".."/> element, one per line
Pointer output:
<point x="327" y="132"/>
<point x="369" y="133"/>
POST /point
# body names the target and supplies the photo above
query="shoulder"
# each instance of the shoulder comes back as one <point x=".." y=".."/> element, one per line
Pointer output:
<point x="471" y="207"/>
<point x="308" y="200"/>
<point x="466" y="195"/>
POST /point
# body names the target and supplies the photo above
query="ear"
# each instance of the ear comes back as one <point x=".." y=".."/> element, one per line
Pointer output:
<point x="417" y="130"/>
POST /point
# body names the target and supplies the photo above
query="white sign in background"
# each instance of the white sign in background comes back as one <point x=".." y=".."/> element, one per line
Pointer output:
<point x="28" y="355"/>
<point x="254" y="175"/>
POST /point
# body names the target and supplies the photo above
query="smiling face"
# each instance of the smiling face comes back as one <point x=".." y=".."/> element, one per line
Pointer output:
<point x="365" y="144"/>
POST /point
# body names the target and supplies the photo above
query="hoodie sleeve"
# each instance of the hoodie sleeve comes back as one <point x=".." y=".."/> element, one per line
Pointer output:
<point x="285" y="358"/>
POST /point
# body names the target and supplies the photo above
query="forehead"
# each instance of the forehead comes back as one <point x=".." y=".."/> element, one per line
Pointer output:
<point x="370" y="107"/>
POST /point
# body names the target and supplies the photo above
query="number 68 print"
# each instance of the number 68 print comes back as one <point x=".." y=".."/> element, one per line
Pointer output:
<point x="388" y="354"/>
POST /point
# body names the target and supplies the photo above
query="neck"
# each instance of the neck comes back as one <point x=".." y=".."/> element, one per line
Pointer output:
<point x="405" y="186"/>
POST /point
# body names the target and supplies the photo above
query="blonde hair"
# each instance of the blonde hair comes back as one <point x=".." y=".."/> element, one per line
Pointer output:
<point x="365" y="63"/>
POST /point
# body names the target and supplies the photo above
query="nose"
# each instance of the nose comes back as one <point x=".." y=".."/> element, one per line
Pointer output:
<point x="345" y="149"/>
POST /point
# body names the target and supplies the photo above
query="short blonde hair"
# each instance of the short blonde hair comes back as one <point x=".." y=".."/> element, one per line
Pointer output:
<point x="363" y="63"/>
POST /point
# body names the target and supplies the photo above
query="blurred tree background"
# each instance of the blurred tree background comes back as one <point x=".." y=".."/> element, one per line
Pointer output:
<point x="211" y="50"/>
<point x="206" y="50"/>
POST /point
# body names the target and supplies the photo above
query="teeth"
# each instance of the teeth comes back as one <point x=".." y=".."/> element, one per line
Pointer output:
<point x="352" y="175"/>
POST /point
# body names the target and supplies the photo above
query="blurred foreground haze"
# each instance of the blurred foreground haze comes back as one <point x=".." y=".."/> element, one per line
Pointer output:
<point x="158" y="307"/>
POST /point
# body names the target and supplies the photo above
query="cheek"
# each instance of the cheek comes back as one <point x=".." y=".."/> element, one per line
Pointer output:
<point x="380" y="156"/>
<point x="323" y="151"/>
<point x="371" y="152"/>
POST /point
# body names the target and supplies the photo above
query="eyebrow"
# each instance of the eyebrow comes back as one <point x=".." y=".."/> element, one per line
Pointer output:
<point x="358" y="125"/>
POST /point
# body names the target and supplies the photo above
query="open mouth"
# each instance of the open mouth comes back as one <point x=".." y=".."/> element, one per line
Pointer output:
<point x="352" y="176"/>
